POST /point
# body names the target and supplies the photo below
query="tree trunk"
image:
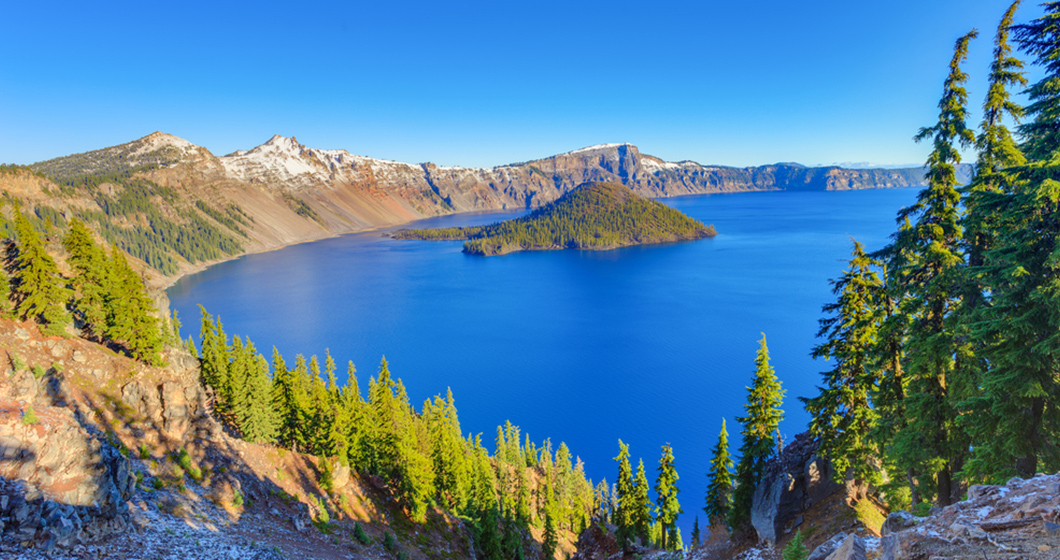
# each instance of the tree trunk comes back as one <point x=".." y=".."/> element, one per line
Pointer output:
<point x="1027" y="466"/>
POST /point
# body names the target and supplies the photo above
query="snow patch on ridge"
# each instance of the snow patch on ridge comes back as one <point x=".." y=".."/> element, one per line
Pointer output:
<point x="159" y="140"/>
<point x="596" y="148"/>
<point x="284" y="159"/>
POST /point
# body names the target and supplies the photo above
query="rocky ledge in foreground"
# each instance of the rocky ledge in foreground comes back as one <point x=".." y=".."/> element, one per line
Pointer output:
<point x="595" y="216"/>
<point x="1017" y="520"/>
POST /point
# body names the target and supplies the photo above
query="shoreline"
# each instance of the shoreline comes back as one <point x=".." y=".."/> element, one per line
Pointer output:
<point x="170" y="281"/>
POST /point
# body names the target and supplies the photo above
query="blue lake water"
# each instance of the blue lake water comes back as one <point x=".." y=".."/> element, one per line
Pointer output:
<point x="649" y="344"/>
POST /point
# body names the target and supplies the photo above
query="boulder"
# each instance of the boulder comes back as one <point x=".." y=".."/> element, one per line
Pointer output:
<point x="795" y="480"/>
<point x="25" y="385"/>
<point x="896" y="546"/>
<point x="977" y="491"/>
<point x="898" y="521"/>
<point x="770" y="497"/>
<point x="967" y="532"/>
<point x="341" y="477"/>
<point x="174" y="407"/>
<point x="596" y="542"/>
<point x="825" y="549"/>
<point x="853" y="548"/>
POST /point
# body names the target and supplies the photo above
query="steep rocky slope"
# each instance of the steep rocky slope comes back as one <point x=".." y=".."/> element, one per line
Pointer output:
<point x="102" y="456"/>
<point x="283" y="192"/>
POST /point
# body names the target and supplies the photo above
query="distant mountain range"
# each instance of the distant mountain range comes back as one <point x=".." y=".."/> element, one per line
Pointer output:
<point x="284" y="192"/>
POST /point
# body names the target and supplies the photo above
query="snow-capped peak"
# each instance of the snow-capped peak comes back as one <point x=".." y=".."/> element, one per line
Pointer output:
<point x="283" y="159"/>
<point x="597" y="148"/>
<point x="159" y="140"/>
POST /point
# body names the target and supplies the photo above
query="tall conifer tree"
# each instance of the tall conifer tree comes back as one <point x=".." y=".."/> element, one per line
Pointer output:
<point x="760" y="426"/>
<point x="90" y="280"/>
<point x="41" y="291"/>
<point x="623" y="517"/>
<point x="924" y="264"/>
<point x="1021" y="328"/>
<point x="842" y="415"/>
<point x="130" y="312"/>
<point x="667" y="507"/>
<point x="641" y="515"/>
<point x="719" y="489"/>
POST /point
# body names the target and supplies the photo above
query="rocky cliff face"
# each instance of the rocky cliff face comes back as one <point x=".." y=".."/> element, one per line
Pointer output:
<point x="104" y="457"/>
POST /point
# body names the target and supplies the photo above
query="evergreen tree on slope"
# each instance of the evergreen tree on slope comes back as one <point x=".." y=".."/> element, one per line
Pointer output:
<point x="760" y="427"/>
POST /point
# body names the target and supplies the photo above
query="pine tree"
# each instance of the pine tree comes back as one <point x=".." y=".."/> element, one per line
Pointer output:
<point x="759" y="431"/>
<point x="1041" y="135"/>
<point x="697" y="536"/>
<point x="259" y="422"/>
<point x="985" y="198"/>
<point x="924" y="263"/>
<point x="667" y="508"/>
<point x="719" y="489"/>
<point x="489" y="542"/>
<point x="512" y="542"/>
<point x="842" y="415"/>
<point x="303" y="405"/>
<point x="284" y="399"/>
<point x="90" y="280"/>
<point x="130" y="312"/>
<point x="7" y="310"/>
<point x="1019" y="331"/>
<point x="39" y="287"/>
<point x="550" y="539"/>
<point x="641" y="515"/>
<point x="625" y="497"/>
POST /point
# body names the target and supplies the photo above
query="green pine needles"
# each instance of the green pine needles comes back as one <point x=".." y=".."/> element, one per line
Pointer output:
<point x="719" y="489"/>
<point x="945" y="343"/>
<point x="40" y="290"/>
<point x="759" y="433"/>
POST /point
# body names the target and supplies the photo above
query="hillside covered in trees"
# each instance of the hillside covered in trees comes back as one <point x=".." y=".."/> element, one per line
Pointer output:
<point x="943" y="346"/>
<point x="592" y="216"/>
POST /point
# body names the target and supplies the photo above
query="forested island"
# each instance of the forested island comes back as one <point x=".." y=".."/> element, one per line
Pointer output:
<point x="594" y="216"/>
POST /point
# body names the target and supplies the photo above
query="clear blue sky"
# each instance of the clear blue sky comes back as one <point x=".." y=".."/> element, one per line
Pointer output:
<point x="486" y="83"/>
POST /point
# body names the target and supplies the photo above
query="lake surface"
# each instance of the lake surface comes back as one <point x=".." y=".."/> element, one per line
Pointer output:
<point x="650" y="344"/>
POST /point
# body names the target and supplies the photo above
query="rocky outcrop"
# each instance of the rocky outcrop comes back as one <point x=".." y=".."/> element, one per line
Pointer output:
<point x="72" y="485"/>
<point x="795" y="481"/>
<point x="597" y="542"/>
<point x="852" y="548"/>
<point x="1016" y="520"/>
<point x="825" y="549"/>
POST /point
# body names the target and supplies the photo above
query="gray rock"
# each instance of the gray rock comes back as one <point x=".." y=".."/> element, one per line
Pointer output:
<point x="825" y="549"/>
<point x="853" y="548"/>
<point x="967" y="532"/>
<point x="896" y="546"/>
<point x="341" y="477"/>
<point x="1052" y="528"/>
<point x="898" y="521"/>
<point x="25" y="385"/>
<point x="299" y="523"/>
<point x="766" y="505"/>
<point x="10" y="448"/>
<point x="977" y="491"/>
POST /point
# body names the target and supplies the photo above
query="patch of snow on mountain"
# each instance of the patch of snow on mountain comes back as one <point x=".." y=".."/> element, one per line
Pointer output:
<point x="596" y="148"/>
<point x="158" y="140"/>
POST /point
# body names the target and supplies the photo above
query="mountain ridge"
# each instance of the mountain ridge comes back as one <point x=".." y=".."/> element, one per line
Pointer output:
<point x="283" y="192"/>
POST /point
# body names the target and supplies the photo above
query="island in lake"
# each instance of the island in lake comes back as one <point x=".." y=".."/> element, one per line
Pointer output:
<point x="595" y="216"/>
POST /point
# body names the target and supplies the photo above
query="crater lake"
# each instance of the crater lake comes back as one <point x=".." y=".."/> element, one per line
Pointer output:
<point x="651" y="344"/>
